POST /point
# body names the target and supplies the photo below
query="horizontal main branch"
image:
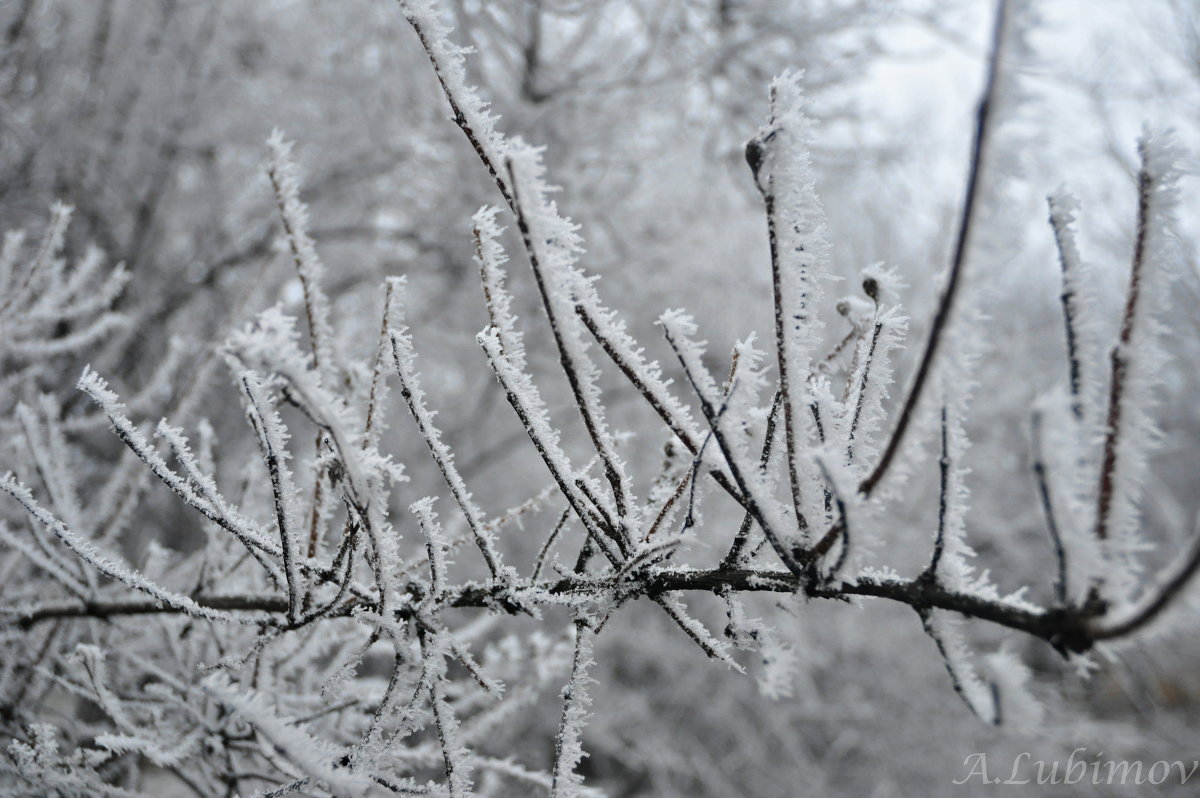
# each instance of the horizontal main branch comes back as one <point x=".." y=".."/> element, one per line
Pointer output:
<point x="1064" y="628"/>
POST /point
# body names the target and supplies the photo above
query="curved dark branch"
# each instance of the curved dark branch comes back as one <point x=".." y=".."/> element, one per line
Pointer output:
<point x="942" y="316"/>
<point x="1067" y="629"/>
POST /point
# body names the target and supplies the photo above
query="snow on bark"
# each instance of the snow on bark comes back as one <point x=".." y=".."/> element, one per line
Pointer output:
<point x="527" y="402"/>
<point x="318" y="758"/>
<point x="978" y="695"/>
<point x="106" y="563"/>
<point x="414" y="396"/>
<point x="272" y="441"/>
<point x="1138" y="363"/>
<point x="554" y="246"/>
<point x="285" y="180"/>
<point x="782" y="165"/>
<point x="568" y="745"/>
<point x="490" y="257"/>
<point x="751" y="476"/>
<point x="471" y="112"/>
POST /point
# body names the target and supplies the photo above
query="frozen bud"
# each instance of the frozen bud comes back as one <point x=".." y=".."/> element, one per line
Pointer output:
<point x="756" y="152"/>
<point x="871" y="288"/>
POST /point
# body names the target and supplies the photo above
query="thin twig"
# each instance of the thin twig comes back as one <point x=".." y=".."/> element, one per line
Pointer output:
<point x="600" y="441"/>
<point x="942" y="316"/>
<point x="939" y="539"/>
<point x="734" y="556"/>
<point x="1108" y="467"/>
<point x="1039" y="473"/>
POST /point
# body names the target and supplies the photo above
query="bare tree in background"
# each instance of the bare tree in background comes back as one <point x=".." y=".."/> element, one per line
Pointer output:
<point x="335" y="634"/>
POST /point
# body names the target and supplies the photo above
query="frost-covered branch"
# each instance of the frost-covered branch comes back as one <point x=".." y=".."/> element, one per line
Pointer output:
<point x="941" y="317"/>
<point x="305" y="625"/>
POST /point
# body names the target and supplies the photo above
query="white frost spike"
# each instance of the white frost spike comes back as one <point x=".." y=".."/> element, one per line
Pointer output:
<point x="471" y="111"/>
<point x="1081" y="300"/>
<point x="527" y="402"/>
<point x="979" y="696"/>
<point x="553" y="245"/>
<point x="857" y="543"/>
<point x="48" y="447"/>
<point x="9" y="252"/>
<point x="414" y="397"/>
<point x="198" y="491"/>
<point x="269" y="346"/>
<point x="78" y="294"/>
<point x="1018" y="709"/>
<point x="40" y="272"/>
<point x="377" y="395"/>
<point x="434" y="542"/>
<point x="91" y="660"/>
<point x="457" y="759"/>
<point x="714" y="648"/>
<point x="568" y="747"/>
<point x="679" y="329"/>
<point x="800" y="253"/>
<point x="801" y="231"/>
<point x="777" y="680"/>
<point x="869" y="386"/>
<point x="150" y="742"/>
<point x="46" y="310"/>
<point x="1062" y="448"/>
<point x="286" y="183"/>
<point x="51" y="771"/>
<point x="742" y="392"/>
<point x="1140" y="363"/>
<point x="954" y="570"/>
<point x="42" y="557"/>
<point x="645" y="375"/>
<point x="312" y="755"/>
<point x="107" y="564"/>
<point x="272" y="440"/>
<point x="490" y="257"/>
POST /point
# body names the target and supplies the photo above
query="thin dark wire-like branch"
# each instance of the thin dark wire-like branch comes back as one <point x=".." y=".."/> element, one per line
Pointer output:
<point x="572" y="695"/>
<point x="602" y="534"/>
<point x="841" y="525"/>
<point x="1069" y="308"/>
<point x="612" y="470"/>
<point x="1156" y="599"/>
<point x="460" y="118"/>
<point x="1120" y="363"/>
<point x="287" y="541"/>
<point x="939" y="540"/>
<point x="443" y="458"/>
<point x="785" y="385"/>
<point x="377" y="363"/>
<point x="942" y="316"/>
<point x="1039" y="473"/>
<point x="445" y="722"/>
<point x="687" y="479"/>
<point x="862" y="393"/>
<point x="727" y="451"/>
<point x="689" y="520"/>
<point x="540" y="561"/>
<point x="694" y="635"/>
<point x="955" y="678"/>
<point x="674" y="424"/>
<point x="734" y="556"/>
